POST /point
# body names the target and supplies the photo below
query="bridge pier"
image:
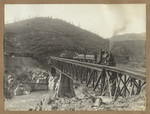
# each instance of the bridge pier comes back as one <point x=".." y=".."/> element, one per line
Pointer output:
<point x="65" y="88"/>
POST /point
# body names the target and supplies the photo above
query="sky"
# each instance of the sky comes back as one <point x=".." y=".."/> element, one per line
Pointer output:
<point x="103" y="19"/>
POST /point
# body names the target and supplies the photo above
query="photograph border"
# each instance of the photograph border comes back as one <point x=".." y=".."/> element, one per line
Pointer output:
<point x="147" y="2"/>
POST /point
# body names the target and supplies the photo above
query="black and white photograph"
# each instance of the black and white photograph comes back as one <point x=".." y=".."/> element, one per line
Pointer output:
<point x="74" y="57"/>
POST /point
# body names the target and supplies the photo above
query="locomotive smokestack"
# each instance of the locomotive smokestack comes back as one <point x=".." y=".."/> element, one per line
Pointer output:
<point x="111" y="43"/>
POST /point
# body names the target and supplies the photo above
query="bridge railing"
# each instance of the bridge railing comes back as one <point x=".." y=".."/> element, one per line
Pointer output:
<point x="112" y="81"/>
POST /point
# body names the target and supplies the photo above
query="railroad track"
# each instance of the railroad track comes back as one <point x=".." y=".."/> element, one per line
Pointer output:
<point x="137" y="74"/>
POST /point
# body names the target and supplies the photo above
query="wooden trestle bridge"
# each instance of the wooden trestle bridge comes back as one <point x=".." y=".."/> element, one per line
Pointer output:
<point x="111" y="81"/>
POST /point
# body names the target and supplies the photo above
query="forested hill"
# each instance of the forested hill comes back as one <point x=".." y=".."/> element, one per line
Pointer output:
<point x="129" y="37"/>
<point x="46" y="35"/>
<point x="129" y="46"/>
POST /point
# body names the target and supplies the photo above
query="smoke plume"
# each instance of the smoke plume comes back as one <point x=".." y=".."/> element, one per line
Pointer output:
<point x="116" y="32"/>
<point x="120" y="23"/>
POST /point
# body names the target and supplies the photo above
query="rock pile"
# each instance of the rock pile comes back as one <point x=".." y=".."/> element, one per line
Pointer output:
<point x="22" y="90"/>
<point x="82" y="101"/>
<point x="85" y="101"/>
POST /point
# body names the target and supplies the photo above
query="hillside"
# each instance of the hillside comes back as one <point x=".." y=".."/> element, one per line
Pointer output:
<point x="46" y="35"/>
<point x="129" y="48"/>
<point x="131" y="37"/>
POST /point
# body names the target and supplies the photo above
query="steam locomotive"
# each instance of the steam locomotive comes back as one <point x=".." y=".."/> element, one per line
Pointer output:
<point x="104" y="58"/>
<point x="107" y="58"/>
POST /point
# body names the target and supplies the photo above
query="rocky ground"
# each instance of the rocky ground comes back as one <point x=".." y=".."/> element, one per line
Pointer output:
<point x="86" y="101"/>
<point x="25" y="102"/>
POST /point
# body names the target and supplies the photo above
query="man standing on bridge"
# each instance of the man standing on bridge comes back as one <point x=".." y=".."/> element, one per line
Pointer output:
<point x="95" y="57"/>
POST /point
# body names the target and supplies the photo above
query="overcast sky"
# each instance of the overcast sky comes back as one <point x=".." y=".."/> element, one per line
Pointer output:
<point x="104" y="20"/>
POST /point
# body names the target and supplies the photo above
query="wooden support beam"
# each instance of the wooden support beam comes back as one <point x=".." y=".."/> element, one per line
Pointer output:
<point x="125" y="78"/>
<point x="143" y="83"/>
<point x="74" y="76"/>
<point x="75" y="72"/>
<point x="132" y="88"/>
<point x="136" y="84"/>
<point x="94" y="75"/>
<point x="103" y="81"/>
<point x="70" y="66"/>
<point x="78" y="73"/>
<point x="101" y="75"/>
<point x="87" y="72"/>
<point x="90" y="78"/>
<point x="140" y="86"/>
<point x="105" y="88"/>
<point x="85" y="75"/>
<point x="125" y="86"/>
<point x="118" y="88"/>
<point x="82" y="74"/>
<point x="97" y="82"/>
<point x="109" y="86"/>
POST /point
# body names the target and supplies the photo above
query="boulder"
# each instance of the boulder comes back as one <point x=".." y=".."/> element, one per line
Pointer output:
<point x="53" y="83"/>
<point x="40" y="87"/>
<point x="19" y="91"/>
<point x="27" y="88"/>
<point x="41" y="84"/>
<point x="42" y="80"/>
<point x="22" y="90"/>
<point x="98" y="102"/>
<point x="9" y="76"/>
<point x="10" y="81"/>
<point x="26" y="92"/>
